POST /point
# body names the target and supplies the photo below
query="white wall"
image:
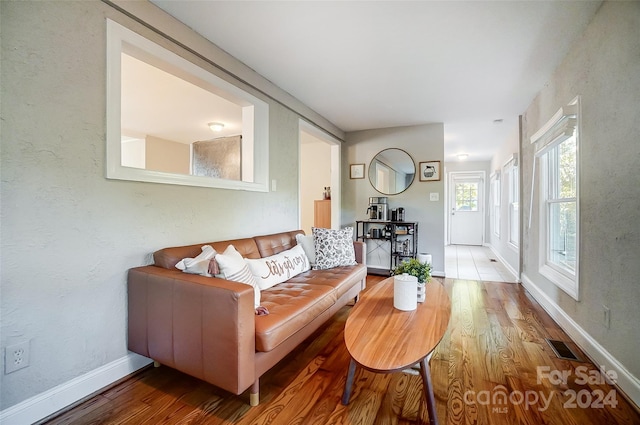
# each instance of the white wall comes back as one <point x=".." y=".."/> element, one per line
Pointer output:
<point x="69" y="234"/>
<point x="423" y="143"/>
<point x="508" y="253"/>
<point x="603" y="66"/>
<point x="315" y="174"/>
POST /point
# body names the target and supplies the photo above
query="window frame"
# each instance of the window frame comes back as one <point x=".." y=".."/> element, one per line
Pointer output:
<point x="466" y="200"/>
<point x="511" y="172"/>
<point x="495" y="202"/>
<point x="564" y="126"/>
<point x="120" y="40"/>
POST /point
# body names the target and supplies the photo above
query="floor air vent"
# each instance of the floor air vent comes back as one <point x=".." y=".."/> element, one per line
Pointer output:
<point x="562" y="350"/>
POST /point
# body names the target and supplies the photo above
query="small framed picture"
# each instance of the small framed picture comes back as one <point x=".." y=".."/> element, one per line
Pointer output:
<point x="357" y="171"/>
<point x="430" y="171"/>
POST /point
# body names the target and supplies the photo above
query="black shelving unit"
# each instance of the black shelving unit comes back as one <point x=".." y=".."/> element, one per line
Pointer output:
<point x="397" y="240"/>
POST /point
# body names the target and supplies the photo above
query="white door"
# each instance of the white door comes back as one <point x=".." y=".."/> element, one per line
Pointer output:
<point x="466" y="210"/>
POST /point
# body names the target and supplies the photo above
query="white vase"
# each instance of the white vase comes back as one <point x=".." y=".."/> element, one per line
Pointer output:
<point x="404" y="292"/>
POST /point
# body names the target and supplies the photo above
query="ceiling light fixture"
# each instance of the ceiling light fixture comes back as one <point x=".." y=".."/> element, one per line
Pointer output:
<point x="463" y="156"/>
<point x="216" y="126"/>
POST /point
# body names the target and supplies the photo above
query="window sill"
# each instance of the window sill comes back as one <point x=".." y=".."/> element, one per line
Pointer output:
<point x="562" y="281"/>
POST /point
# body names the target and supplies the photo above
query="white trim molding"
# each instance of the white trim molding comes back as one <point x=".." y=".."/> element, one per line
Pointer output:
<point x="49" y="402"/>
<point x="626" y="382"/>
<point x="505" y="263"/>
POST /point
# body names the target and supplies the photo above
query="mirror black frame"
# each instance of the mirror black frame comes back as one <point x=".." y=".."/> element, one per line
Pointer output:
<point x="373" y="168"/>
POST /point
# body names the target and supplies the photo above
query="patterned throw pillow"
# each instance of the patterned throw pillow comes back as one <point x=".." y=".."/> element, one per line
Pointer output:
<point x="334" y="248"/>
<point x="278" y="268"/>
<point x="234" y="267"/>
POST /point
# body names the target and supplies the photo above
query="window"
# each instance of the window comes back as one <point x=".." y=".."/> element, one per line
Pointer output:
<point x="495" y="203"/>
<point x="561" y="205"/>
<point x="557" y="151"/>
<point x="512" y="177"/>
<point x="161" y="111"/>
<point x="466" y="196"/>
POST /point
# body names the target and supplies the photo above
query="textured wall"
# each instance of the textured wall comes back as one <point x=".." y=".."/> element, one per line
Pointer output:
<point x="603" y="67"/>
<point x="423" y="143"/>
<point x="68" y="233"/>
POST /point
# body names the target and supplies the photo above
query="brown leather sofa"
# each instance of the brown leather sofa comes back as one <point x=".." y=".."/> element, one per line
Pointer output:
<point x="207" y="327"/>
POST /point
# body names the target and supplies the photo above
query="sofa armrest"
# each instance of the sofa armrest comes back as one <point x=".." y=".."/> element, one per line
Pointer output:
<point x="360" y="249"/>
<point x="199" y="325"/>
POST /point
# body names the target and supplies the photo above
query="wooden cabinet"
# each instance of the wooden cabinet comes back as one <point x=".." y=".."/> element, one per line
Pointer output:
<point x="322" y="213"/>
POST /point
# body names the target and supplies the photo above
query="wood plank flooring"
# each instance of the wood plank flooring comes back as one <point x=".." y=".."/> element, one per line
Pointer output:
<point x="485" y="371"/>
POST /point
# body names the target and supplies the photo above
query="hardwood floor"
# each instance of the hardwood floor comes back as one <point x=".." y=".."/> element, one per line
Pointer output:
<point x="485" y="371"/>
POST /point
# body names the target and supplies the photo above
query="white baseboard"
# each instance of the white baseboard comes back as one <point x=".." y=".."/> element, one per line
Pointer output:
<point x="505" y="263"/>
<point x="49" y="402"/>
<point x="437" y="273"/>
<point x="626" y="382"/>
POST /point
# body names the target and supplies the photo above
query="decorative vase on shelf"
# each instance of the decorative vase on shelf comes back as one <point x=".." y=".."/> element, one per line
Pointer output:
<point x="327" y="193"/>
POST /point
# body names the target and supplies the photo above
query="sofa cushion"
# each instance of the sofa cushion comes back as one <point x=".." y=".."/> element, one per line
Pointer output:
<point x="291" y="306"/>
<point x="268" y="245"/>
<point x="341" y="279"/>
<point x="333" y="247"/>
<point x="234" y="267"/>
<point x="278" y="268"/>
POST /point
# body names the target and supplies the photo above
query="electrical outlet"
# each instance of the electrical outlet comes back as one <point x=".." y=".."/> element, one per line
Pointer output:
<point x="16" y="356"/>
<point x="607" y="316"/>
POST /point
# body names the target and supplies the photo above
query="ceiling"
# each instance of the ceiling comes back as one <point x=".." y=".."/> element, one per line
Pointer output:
<point x="378" y="64"/>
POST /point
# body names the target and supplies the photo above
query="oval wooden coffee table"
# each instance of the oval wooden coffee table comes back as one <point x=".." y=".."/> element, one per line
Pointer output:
<point x="381" y="338"/>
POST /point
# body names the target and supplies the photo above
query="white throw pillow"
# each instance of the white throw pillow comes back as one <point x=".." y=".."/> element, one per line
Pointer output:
<point x="234" y="267"/>
<point x="334" y="248"/>
<point x="270" y="271"/>
<point x="306" y="241"/>
<point x="200" y="264"/>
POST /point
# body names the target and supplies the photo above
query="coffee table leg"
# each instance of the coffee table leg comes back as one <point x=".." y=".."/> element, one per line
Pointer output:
<point x="346" y="395"/>
<point x="428" y="391"/>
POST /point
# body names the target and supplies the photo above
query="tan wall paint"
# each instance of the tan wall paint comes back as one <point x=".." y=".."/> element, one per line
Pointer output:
<point x="315" y="174"/>
<point x="168" y="156"/>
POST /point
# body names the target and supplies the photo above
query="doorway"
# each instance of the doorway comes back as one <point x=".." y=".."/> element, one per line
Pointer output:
<point x="319" y="160"/>
<point x="466" y="208"/>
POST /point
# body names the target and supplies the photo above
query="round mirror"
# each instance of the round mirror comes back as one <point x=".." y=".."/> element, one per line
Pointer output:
<point x="391" y="171"/>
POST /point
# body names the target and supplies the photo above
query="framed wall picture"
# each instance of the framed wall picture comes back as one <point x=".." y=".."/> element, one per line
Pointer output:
<point x="430" y="171"/>
<point x="357" y="171"/>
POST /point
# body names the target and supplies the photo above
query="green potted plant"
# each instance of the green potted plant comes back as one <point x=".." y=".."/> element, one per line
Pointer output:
<point x="413" y="267"/>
